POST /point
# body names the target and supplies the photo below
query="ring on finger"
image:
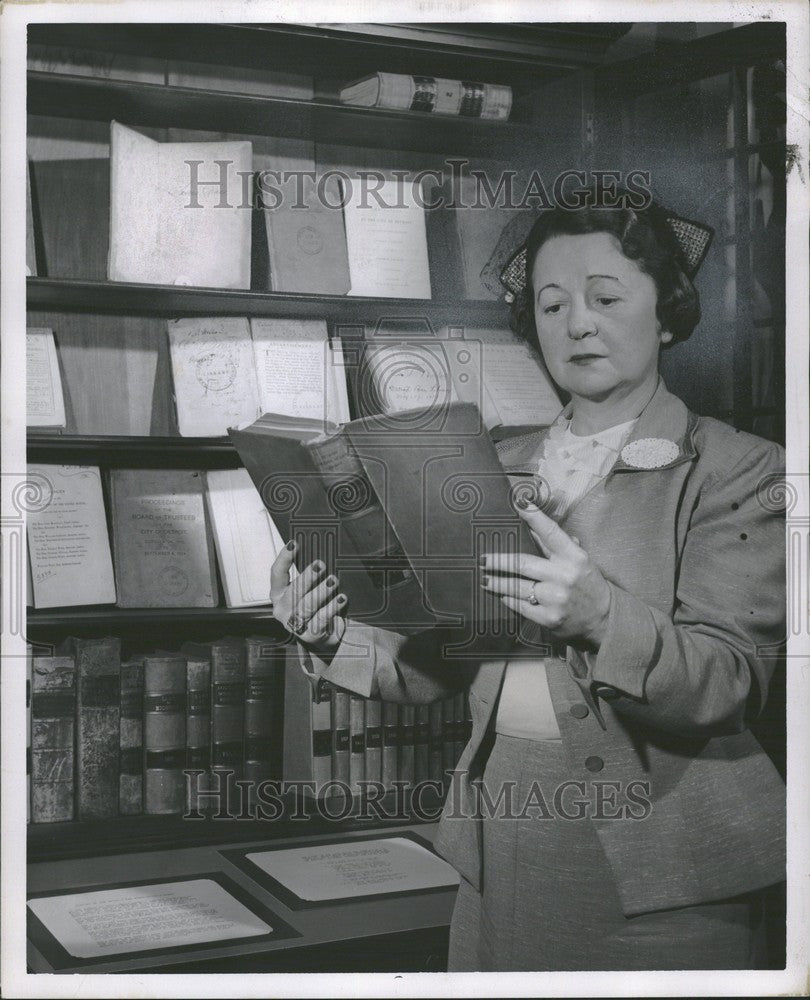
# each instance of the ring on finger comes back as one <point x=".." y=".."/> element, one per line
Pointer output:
<point x="532" y="598"/>
<point x="297" y="624"/>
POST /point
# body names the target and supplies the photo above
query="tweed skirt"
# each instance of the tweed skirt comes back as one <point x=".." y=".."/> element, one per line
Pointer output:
<point x="549" y="902"/>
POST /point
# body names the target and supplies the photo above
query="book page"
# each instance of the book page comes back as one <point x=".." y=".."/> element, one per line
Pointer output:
<point x="387" y="240"/>
<point x="291" y="366"/>
<point x="68" y="544"/>
<point x="214" y="375"/>
<point x="44" y="402"/>
<point x="145" y="917"/>
<point x="359" y="868"/>
<point x="337" y="392"/>
<point x="246" y="539"/>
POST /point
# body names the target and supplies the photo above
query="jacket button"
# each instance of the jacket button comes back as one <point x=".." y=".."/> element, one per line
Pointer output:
<point x="579" y="711"/>
<point x="594" y="763"/>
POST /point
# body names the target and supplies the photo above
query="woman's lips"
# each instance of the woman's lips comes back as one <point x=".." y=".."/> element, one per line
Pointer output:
<point x="584" y="359"/>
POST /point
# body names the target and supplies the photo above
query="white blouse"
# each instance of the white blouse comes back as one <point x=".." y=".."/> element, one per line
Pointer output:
<point x="570" y="466"/>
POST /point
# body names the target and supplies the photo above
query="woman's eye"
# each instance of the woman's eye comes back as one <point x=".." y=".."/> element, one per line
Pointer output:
<point x="606" y="300"/>
<point x="553" y="309"/>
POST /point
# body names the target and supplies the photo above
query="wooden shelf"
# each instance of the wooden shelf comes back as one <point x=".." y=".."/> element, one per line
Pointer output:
<point x="81" y="839"/>
<point x="73" y="295"/>
<point x="109" y="619"/>
<point x="520" y="53"/>
<point x="132" y="452"/>
<point x="162" y="106"/>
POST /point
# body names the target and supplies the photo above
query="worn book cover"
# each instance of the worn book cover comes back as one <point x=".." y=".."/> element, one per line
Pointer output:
<point x="400" y="507"/>
<point x="164" y="733"/>
<point x="130" y="782"/>
<point x="264" y="708"/>
<point x="98" y="713"/>
<point x="53" y="710"/>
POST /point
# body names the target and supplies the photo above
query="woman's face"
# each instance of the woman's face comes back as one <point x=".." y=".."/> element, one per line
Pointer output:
<point x="595" y="315"/>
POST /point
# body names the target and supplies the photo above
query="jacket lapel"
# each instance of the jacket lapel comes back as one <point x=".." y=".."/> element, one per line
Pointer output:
<point x="663" y="423"/>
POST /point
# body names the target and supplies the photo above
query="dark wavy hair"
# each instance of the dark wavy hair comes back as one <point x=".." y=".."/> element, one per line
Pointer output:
<point x="645" y="237"/>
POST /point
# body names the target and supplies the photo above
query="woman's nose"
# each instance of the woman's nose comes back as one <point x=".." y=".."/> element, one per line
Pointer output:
<point x="581" y="321"/>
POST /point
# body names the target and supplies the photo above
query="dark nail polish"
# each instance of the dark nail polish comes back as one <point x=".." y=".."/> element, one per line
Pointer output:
<point x="290" y="545"/>
<point x="330" y="581"/>
<point x="482" y="562"/>
<point x="484" y="581"/>
<point x="318" y="566"/>
<point x="341" y="599"/>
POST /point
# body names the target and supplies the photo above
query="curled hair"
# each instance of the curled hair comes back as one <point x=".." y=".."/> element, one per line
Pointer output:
<point x="645" y="237"/>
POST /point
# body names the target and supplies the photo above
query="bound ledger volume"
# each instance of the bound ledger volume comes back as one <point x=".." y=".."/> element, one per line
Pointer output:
<point x="349" y="498"/>
<point x="164" y="733"/>
<point x="198" y="721"/>
<point x="98" y="699"/>
<point x="400" y="92"/>
<point x="130" y="787"/>
<point x="178" y="214"/>
<point x="52" y="738"/>
<point x="264" y="708"/>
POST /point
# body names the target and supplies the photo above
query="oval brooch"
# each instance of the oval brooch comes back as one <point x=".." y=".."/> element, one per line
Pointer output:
<point x="649" y="453"/>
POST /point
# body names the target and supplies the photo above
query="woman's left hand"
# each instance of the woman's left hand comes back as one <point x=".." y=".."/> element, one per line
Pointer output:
<point x="573" y="598"/>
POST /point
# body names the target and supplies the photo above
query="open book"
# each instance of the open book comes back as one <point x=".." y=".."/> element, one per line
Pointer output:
<point x="401" y="507"/>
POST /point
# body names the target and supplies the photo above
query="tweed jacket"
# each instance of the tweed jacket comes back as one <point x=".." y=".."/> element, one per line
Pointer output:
<point x="694" y="556"/>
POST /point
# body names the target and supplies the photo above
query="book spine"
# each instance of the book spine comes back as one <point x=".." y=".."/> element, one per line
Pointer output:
<point x="341" y="739"/>
<point x="436" y="95"/>
<point x="435" y="741"/>
<point x="227" y="711"/>
<point x="357" y="728"/>
<point x="406" y="764"/>
<point x="421" y="744"/>
<point x="53" y="707"/>
<point x="198" y="728"/>
<point x="373" y="740"/>
<point x="390" y="748"/>
<point x="98" y="697"/>
<point x="130" y="769"/>
<point x="164" y="734"/>
<point x="321" y="723"/>
<point x="264" y="709"/>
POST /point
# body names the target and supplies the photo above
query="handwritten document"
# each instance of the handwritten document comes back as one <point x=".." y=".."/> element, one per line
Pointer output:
<point x="144" y="917"/>
<point x="359" y="868"/>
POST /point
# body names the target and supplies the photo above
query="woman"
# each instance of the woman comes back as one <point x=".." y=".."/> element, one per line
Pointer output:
<point x="649" y="820"/>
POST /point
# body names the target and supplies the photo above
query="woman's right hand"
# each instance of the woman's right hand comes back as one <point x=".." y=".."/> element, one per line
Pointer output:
<point x="313" y="600"/>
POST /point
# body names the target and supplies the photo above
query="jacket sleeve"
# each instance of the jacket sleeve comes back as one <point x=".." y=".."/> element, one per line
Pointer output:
<point x="382" y="664"/>
<point x="705" y="669"/>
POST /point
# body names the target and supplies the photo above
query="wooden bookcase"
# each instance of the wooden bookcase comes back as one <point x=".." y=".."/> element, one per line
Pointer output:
<point x="570" y="112"/>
